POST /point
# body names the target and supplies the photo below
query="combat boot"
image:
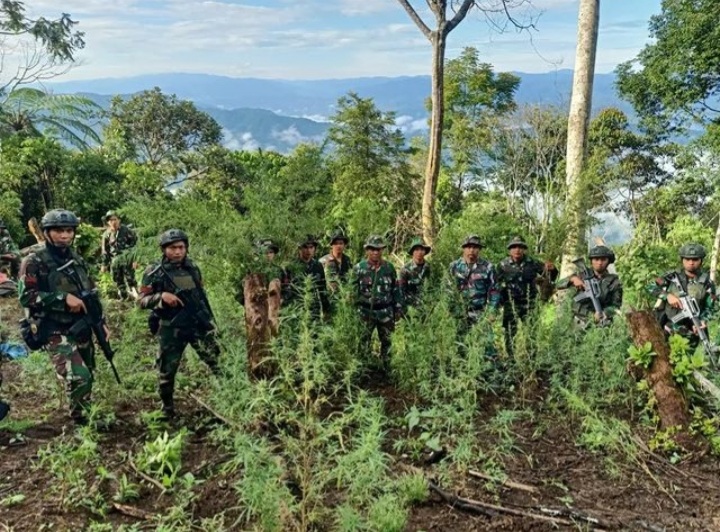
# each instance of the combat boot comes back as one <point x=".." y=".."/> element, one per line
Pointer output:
<point x="168" y="409"/>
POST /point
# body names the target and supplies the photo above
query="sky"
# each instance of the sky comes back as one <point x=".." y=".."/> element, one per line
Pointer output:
<point x="320" y="39"/>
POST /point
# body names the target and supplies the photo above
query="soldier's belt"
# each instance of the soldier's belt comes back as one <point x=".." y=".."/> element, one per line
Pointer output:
<point x="376" y="306"/>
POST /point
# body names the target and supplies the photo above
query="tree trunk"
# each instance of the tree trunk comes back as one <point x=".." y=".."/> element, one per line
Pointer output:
<point x="256" y="324"/>
<point x="715" y="252"/>
<point x="672" y="406"/>
<point x="578" y="121"/>
<point x="432" y="169"/>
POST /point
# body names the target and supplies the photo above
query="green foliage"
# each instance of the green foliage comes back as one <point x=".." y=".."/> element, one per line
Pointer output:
<point x="642" y="356"/>
<point x="162" y="458"/>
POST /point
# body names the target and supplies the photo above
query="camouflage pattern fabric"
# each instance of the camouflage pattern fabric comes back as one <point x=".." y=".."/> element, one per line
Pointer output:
<point x="114" y="243"/>
<point x="293" y="284"/>
<point x="74" y="363"/>
<point x="611" y="298"/>
<point x="336" y="271"/>
<point x="8" y="247"/>
<point x="411" y="282"/>
<point x="379" y="301"/>
<point x="477" y="285"/>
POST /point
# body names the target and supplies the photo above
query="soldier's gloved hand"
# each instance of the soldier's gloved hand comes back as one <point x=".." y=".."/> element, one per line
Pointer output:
<point x="674" y="301"/>
<point x="75" y="304"/>
<point x="171" y="300"/>
<point x="577" y="282"/>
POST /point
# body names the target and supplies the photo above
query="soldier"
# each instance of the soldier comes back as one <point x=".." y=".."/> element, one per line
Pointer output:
<point x="173" y="289"/>
<point x="117" y="239"/>
<point x="414" y="274"/>
<point x="377" y="295"/>
<point x="51" y="297"/>
<point x="475" y="279"/>
<point x="696" y="283"/>
<point x="9" y="253"/>
<point x="518" y="276"/>
<point x="304" y="266"/>
<point x="265" y="251"/>
<point x="336" y="264"/>
<point x="611" y="291"/>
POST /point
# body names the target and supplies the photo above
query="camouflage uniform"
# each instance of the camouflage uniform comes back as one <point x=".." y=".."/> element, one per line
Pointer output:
<point x="336" y="270"/>
<point x="476" y="283"/>
<point x="174" y="336"/>
<point x="8" y="247"/>
<point x="413" y="276"/>
<point x="611" y="291"/>
<point x="377" y="297"/>
<point x="699" y="287"/>
<point x="293" y="284"/>
<point x="43" y="291"/>
<point x="518" y="287"/>
<point x="113" y="246"/>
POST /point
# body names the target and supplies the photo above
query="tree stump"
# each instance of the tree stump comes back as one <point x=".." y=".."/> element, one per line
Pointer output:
<point x="671" y="403"/>
<point x="262" y="307"/>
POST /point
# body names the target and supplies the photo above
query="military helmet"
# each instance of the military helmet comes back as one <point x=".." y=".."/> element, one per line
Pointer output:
<point x="418" y="242"/>
<point x="309" y="240"/>
<point x="59" y="218"/>
<point x="339" y="235"/>
<point x="599" y="252"/>
<point x="171" y="236"/>
<point x="472" y="240"/>
<point x="693" y="250"/>
<point x="109" y="215"/>
<point x="374" y="242"/>
<point x="517" y="242"/>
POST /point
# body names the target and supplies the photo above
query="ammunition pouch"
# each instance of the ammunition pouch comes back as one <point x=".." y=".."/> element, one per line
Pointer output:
<point x="33" y="333"/>
<point x="80" y="331"/>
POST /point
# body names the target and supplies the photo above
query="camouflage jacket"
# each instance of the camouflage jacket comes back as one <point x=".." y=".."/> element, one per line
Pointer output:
<point x="7" y="246"/>
<point x="293" y="283"/>
<point x="115" y="242"/>
<point x="165" y="276"/>
<point x="611" y="296"/>
<point x="335" y="271"/>
<point x="477" y="284"/>
<point x="412" y="279"/>
<point x="43" y="290"/>
<point x="700" y="287"/>
<point x="517" y="281"/>
<point x="375" y="289"/>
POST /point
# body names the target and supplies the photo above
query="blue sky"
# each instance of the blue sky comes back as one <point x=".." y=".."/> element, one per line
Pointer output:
<point x="313" y="39"/>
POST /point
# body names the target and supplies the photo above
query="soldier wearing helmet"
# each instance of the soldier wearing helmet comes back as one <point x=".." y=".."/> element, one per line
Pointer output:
<point x="696" y="283"/>
<point x="475" y="279"/>
<point x="173" y="289"/>
<point x="116" y="241"/>
<point x="611" y="290"/>
<point x="376" y="294"/>
<point x="9" y="253"/>
<point x="52" y="300"/>
<point x="518" y="276"/>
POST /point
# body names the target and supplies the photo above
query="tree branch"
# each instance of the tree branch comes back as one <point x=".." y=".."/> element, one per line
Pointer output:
<point x="459" y="15"/>
<point x="416" y="19"/>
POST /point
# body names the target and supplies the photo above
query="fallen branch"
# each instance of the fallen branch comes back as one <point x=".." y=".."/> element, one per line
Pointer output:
<point x="214" y="412"/>
<point x="132" y="511"/>
<point x="506" y="483"/>
<point x="483" y="508"/>
<point x="151" y="480"/>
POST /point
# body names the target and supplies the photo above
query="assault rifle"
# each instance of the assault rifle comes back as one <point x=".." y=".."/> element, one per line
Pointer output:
<point x="691" y="310"/>
<point x="591" y="291"/>
<point x="196" y="312"/>
<point x="93" y="317"/>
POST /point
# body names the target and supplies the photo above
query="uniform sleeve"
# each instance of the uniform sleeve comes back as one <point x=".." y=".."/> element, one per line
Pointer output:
<point x="564" y="283"/>
<point x="494" y="295"/>
<point x="322" y="290"/>
<point x="105" y="250"/>
<point x="616" y="297"/>
<point x="150" y="295"/>
<point x="402" y="281"/>
<point x="398" y="296"/>
<point x="131" y="237"/>
<point x="710" y="306"/>
<point x="659" y="288"/>
<point x="332" y="273"/>
<point x="31" y="297"/>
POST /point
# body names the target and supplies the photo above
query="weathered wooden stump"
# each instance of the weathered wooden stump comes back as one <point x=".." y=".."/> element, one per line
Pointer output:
<point x="262" y="307"/>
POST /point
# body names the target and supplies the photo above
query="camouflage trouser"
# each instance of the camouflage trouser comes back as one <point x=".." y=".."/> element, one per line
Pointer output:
<point x="384" y="322"/>
<point x="123" y="274"/>
<point x="173" y="342"/>
<point x="11" y="267"/>
<point x="74" y="365"/>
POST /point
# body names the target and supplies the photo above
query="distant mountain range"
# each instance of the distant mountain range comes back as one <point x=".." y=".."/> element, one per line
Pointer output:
<point x="277" y="114"/>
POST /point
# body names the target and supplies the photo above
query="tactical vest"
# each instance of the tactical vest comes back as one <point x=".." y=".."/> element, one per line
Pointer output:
<point x="51" y="280"/>
<point x="185" y="277"/>
<point x="697" y="289"/>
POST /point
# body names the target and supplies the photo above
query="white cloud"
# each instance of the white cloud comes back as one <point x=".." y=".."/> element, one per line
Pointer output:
<point x="243" y="141"/>
<point x="408" y="124"/>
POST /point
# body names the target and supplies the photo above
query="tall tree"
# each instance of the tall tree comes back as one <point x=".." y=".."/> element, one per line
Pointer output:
<point x="158" y="129"/>
<point x="578" y="121"/>
<point x="448" y="15"/>
<point x="57" y="41"/>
